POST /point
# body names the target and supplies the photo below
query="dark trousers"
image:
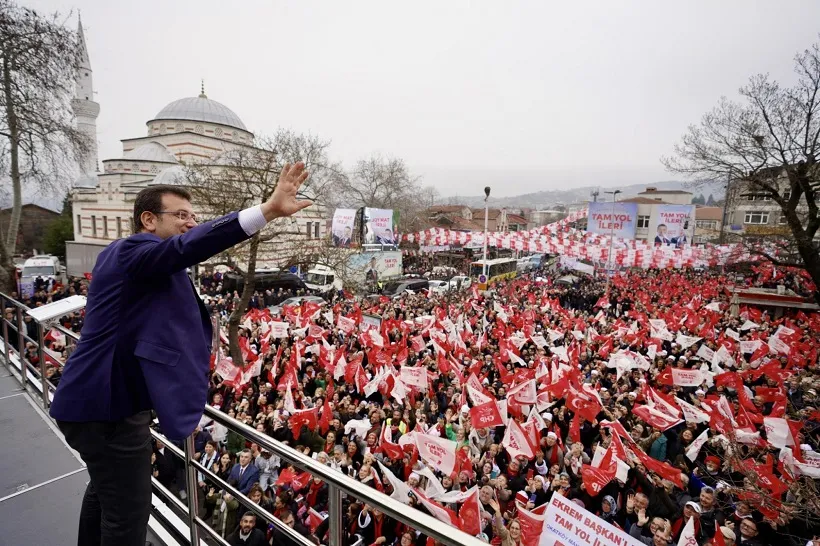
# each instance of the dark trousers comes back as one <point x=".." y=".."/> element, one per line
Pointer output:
<point x="117" y="501"/>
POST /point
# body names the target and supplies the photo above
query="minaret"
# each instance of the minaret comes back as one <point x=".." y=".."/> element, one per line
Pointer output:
<point x="85" y="108"/>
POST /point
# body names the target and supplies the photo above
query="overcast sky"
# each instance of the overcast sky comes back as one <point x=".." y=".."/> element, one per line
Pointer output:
<point x="523" y="96"/>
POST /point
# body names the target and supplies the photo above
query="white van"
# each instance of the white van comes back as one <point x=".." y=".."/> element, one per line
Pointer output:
<point x="322" y="279"/>
<point x="47" y="267"/>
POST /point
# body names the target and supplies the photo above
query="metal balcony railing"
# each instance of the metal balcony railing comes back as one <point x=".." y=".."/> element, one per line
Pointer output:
<point x="180" y="518"/>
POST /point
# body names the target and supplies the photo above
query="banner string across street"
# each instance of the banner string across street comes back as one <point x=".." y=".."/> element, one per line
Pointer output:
<point x="559" y="238"/>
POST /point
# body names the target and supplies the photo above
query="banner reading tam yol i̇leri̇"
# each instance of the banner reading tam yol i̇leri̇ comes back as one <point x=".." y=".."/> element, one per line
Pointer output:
<point x="673" y="225"/>
<point x="567" y="524"/>
<point x="618" y="219"/>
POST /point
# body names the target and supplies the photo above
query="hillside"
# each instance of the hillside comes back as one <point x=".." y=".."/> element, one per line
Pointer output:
<point x="548" y="199"/>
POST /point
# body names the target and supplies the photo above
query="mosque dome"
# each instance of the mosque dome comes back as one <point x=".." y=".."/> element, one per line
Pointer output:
<point x="201" y="108"/>
<point x="172" y="176"/>
<point x="152" y="151"/>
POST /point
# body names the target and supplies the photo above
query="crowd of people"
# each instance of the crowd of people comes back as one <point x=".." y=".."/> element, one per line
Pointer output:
<point x="648" y="401"/>
<point x="594" y="362"/>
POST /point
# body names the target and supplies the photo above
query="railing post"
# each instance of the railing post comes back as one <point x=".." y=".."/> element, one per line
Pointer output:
<point x="21" y="347"/>
<point x="192" y="486"/>
<point x="6" y="339"/>
<point x="42" y="352"/>
<point x="334" y="509"/>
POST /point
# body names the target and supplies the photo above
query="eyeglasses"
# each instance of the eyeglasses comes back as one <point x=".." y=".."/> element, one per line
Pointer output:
<point x="183" y="215"/>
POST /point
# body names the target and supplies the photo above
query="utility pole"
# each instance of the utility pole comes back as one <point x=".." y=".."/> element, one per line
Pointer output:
<point x="486" y="216"/>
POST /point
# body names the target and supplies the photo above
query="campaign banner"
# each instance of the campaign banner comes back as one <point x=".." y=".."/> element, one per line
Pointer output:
<point x="378" y="227"/>
<point x="414" y="377"/>
<point x="618" y="219"/>
<point x="673" y="225"/>
<point x="686" y="377"/>
<point x="278" y="330"/>
<point x="342" y="227"/>
<point x="374" y="266"/>
<point x="568" y="524"/>
<point x="27" y="288"/>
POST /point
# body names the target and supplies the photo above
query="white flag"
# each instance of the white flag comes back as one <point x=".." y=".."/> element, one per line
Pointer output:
<point x="694" y="449"/>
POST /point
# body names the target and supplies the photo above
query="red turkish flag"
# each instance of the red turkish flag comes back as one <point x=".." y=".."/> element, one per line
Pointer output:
<point x="657" y="419"/>
<point x="302" y="418"/>
<point x="469" y="515"/>
<point x="532" y="524"/>
<point x="315" y="519"/>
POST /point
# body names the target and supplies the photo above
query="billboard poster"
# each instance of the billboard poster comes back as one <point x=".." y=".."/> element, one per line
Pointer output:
<point x="342" y="227"/>
<point x="378" y="227"/>
<point x="375" y="266"/>
<point x="673" y="225"/>
<point x="618" y="219"/>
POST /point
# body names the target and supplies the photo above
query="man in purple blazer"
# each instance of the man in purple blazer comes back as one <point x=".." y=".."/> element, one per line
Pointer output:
<point x="146" y="345"/>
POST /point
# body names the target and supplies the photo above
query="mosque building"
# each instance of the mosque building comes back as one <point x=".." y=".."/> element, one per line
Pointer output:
<point x="188" y="130"/>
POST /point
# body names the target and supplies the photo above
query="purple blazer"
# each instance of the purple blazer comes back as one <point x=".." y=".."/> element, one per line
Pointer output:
<point x="146" y="339"/>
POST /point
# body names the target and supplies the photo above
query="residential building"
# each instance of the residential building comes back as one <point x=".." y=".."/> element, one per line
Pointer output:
<point x="543" y="217"/>
<point x="707" y="224"/>
<point x="463" y="218"/>
<point x="752" y="212"/>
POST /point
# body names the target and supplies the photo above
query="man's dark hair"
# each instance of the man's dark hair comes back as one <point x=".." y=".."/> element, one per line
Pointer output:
<point x="150" y="200"/>
<point x="249" y="514"/>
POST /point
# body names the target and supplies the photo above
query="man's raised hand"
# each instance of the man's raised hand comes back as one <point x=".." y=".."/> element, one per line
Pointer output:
<point x="283" y="202"/>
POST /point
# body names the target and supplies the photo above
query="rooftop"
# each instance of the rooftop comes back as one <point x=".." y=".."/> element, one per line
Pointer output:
<point x="642" y="201"/>
<point x="668" y="192"/>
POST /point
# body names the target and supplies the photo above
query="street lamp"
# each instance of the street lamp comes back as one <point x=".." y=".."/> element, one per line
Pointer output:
<point x="611" y="237"/>
<point x="486" y="215"/>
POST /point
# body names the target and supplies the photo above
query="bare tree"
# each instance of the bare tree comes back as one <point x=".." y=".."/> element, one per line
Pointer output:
<point x="386" y="183"/>
<point x="38" y="60"/>
<point x="769" y="144"/>
<point x="244" y="176"/>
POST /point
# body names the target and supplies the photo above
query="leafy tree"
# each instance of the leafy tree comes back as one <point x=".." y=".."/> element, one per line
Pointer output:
<point x="60" y="230"/>
<point x="711" y="201"/>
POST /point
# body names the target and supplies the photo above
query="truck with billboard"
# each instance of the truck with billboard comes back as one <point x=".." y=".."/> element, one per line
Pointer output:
<point x="359" y="272"/>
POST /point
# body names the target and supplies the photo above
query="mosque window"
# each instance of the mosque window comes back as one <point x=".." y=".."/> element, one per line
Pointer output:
<point x="135" y="168"/>
<point x="154" y="169"/>
<point x="119" y="166"/>
<point x="179" y="128"/>
<point x="198" y="129"/>
<point x="235" y="135"/>
<point x="162" y="129"/>
<point x="218" y="132"/>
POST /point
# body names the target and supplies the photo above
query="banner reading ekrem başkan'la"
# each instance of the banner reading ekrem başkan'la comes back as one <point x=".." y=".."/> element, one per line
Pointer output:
<point x="618" y="219"/>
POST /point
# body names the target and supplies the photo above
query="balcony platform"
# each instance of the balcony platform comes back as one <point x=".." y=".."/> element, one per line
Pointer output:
<point x="42" y="481"/>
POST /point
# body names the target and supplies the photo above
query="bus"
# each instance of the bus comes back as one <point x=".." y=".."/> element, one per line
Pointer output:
<point x="497" y="270"/>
